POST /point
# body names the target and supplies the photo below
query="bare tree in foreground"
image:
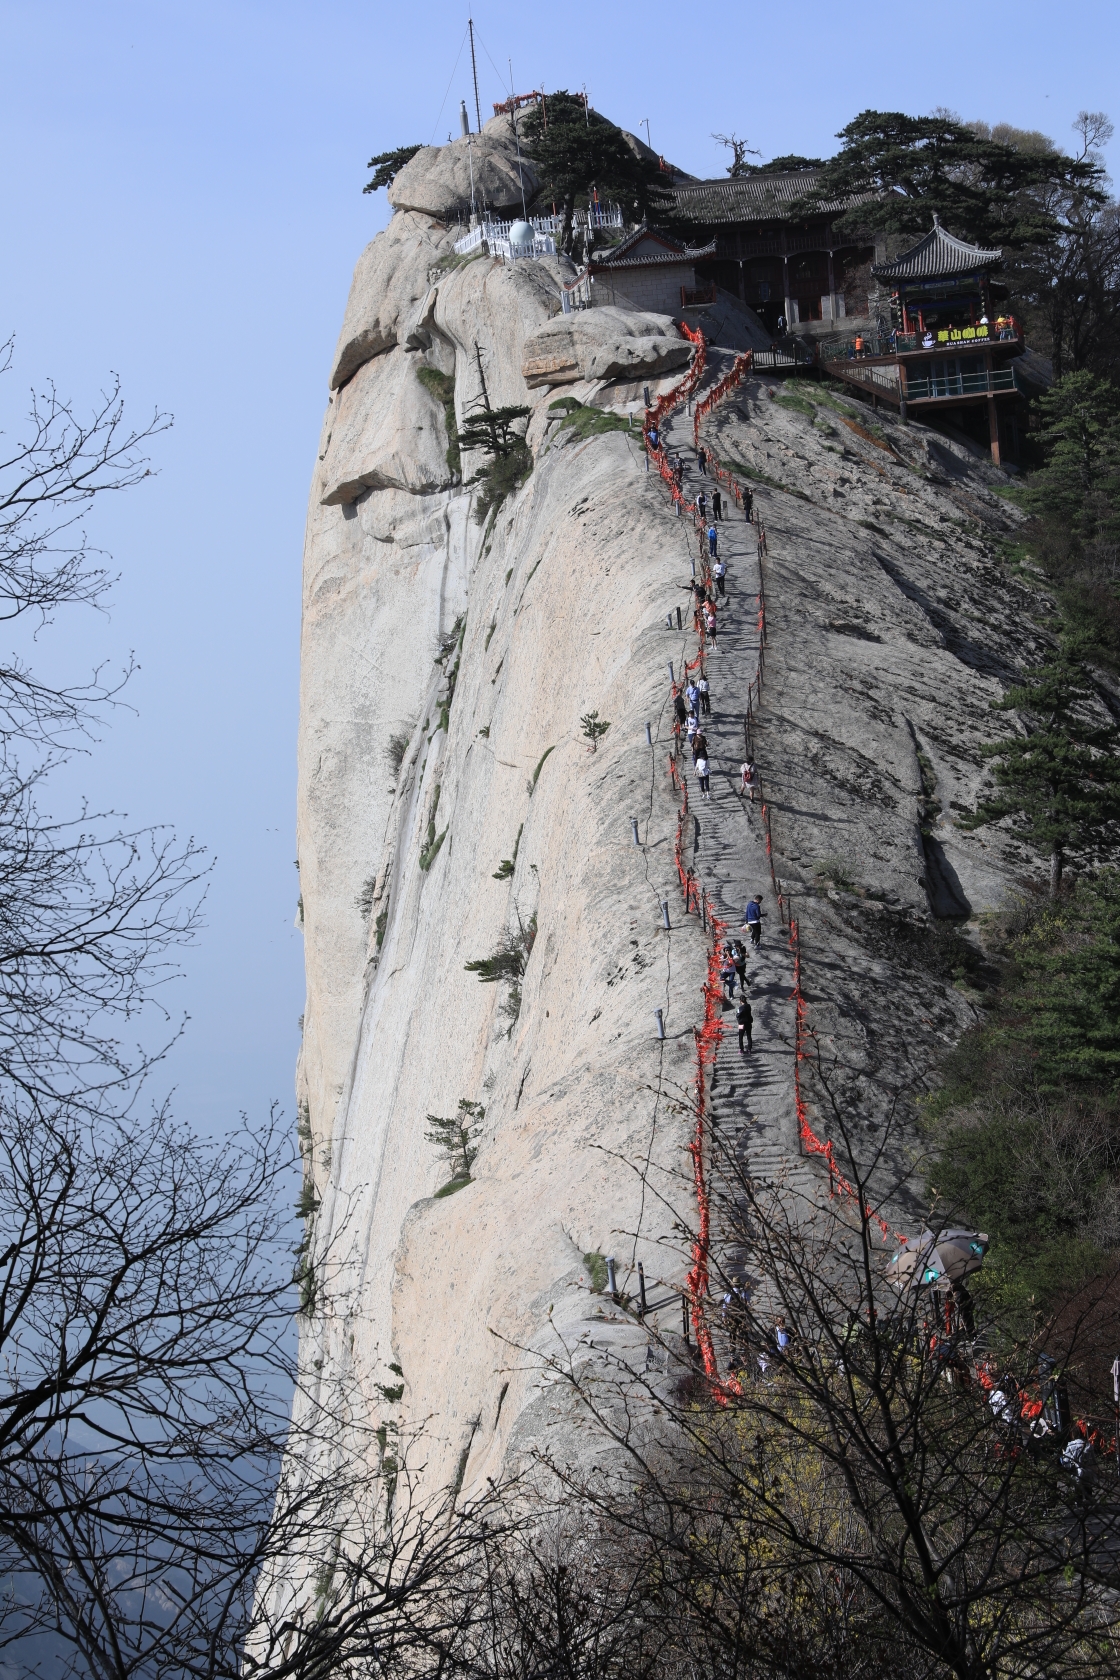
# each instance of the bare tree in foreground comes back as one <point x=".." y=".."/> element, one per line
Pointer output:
<point x="147" y="1358"/>
<point x="878" y="1495"/>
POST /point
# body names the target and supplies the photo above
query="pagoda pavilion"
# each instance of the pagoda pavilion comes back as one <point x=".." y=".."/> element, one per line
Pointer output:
<point x="950" y="351"/>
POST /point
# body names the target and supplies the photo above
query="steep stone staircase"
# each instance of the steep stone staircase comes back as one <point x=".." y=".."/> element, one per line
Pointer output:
<point x="752" y="1097"/>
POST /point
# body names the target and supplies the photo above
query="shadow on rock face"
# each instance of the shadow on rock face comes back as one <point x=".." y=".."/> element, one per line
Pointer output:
<point x="947" y="898"/>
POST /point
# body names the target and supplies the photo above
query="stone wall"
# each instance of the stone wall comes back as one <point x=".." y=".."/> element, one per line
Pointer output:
<point x="656" y="288"/>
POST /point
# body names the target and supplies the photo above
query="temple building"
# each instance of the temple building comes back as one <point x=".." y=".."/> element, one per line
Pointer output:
<point x="785" y="264"/>
<point x="951" y="348"/>
<point x="650" y="269"/>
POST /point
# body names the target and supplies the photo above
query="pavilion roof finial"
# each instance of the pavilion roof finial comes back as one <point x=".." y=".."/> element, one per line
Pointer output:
<point x="936" y="220"/>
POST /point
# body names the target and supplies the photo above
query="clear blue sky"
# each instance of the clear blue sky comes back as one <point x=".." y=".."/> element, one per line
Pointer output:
<point x="182" y="203"/>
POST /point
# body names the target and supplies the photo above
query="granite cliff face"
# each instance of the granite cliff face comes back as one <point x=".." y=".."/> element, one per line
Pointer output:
<point x="890" y="631"/>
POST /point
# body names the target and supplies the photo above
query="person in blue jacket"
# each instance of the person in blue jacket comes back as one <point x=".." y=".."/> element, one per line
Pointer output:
<point x="752" y="920"/>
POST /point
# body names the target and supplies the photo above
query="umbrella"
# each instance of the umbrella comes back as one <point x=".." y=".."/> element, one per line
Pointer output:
<point x="960" y="1253"/>
<point x="928" y="1260"/>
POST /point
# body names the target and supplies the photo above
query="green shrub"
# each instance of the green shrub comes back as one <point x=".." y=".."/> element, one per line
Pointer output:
<point x="593" y="728"/>
<point x="508" y="962"/>
<point x="1026" y="1125"/>
<point x="396" y="749"/>
<point x="507" y="866"/>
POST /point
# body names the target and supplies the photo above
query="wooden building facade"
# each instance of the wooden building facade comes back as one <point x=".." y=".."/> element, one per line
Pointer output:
<point x="779" y="261"/>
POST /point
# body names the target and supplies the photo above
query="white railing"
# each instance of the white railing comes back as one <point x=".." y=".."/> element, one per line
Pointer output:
<point x="576" y="294"/>
<point x="495" y="235"/>
<point x="593" y="218"/>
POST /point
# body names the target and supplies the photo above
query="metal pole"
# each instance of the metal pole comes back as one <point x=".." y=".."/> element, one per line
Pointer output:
<point x="649" y="736"/>
<point x="634" y="830"/>
<point x="612" y="1286"/>
<point x="665" y="920"/>
<point x="672" y="678"/>
<point x="517" y="138"/>
<point x="474" y="72"/>
<point x="642" y="1286"/>
<point x="658" y="1014"/>
<point x="680" y="620"/>
<point x="684" y="1318"/>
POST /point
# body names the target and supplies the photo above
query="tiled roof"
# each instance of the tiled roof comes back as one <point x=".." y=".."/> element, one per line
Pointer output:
<point x="626" y="255"/>
<point x="752" y="198"/>
<point x="939" y="253"/>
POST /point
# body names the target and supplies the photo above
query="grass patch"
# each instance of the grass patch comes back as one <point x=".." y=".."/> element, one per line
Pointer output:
<point x="870" y="435"/>
<point x="826" y="396"/>
<point x="583" y="421"/>
<point x="442" y="387"/>
<point x="790" y="396"/>
<point x="430" y="853"/>
<point x="453" y="259"/>
<point x="535" y="777"/>
<point x="530" y="578"/>
<point x="433" y="842"/>
<point x="597" y="1271"/>
<point x="450" y="1189"/>
<point x="835" y="871"/>
<point x="732" y="464"/>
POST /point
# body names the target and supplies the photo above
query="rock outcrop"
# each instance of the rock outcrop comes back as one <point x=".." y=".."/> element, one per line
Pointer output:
<point x="486" y="169"/>
<point x="450" y="809"/>
<point x="602" y="344"/>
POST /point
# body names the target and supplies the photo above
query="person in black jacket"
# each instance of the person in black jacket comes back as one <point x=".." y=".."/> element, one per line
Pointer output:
<point x="745" y="1022"/>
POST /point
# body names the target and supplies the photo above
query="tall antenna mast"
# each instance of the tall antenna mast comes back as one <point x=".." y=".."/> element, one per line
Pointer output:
<point x="474" y="71"/>
<point x="517" y="139"/>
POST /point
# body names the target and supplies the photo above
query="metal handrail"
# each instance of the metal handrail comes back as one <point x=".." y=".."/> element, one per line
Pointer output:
<point x="935" y="387"/>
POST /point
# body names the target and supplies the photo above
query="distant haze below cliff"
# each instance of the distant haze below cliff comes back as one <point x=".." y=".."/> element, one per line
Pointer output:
<point x="182" y="204"/>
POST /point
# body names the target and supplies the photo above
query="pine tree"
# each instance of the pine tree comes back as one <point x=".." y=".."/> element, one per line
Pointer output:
<point x="387" y="166"/>
<point x="1079" y="486"/>
<point x="575" y="149"/>
<point x="984" y="190"/>
<point x="456" y="1134"/>
<point x="1059" y="782"/>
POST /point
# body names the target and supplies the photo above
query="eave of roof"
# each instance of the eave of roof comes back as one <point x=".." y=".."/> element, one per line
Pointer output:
<point x="671" y="259"/>
<point x="939" y="254"/>
<point x="754" y="198"/>
<point x="673" y="251"/>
